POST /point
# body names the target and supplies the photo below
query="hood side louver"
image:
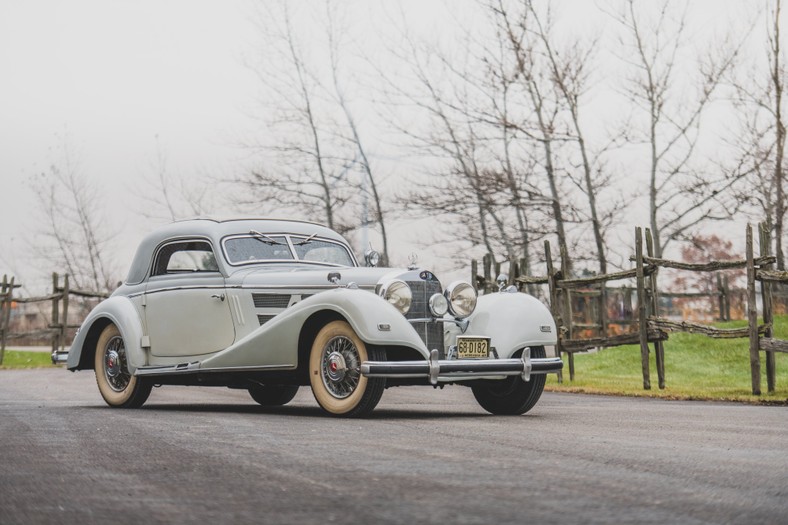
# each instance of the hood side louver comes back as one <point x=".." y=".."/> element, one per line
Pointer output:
<point x="270" y="300"/>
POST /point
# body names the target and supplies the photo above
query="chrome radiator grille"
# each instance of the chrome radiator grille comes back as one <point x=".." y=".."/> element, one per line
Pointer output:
<point x="430" y="333"/>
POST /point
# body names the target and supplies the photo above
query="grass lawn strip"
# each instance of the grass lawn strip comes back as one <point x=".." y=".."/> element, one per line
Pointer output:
<point x="696" y="367"/>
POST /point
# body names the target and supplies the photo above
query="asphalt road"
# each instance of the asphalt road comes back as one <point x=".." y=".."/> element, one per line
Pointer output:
<point x="210" y="455"/>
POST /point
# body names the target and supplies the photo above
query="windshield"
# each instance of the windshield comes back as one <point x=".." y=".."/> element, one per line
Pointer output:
<point x="317" y="250"/>
<point x="240" y="250"/>
<point x="258" y="247"/>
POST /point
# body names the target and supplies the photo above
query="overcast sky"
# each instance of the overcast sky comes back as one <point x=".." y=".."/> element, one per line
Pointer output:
<point x="109" y="77"/>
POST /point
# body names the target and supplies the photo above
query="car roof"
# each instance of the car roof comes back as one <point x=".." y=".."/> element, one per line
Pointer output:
<point x="215" y="230"/>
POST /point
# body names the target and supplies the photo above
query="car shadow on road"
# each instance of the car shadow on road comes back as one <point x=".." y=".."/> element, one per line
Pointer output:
<point x="296" y="410"/>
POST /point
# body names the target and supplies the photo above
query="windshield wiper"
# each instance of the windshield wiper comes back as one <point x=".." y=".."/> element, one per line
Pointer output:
<point x="305" y="241"/>
<point x="264" y="238"/>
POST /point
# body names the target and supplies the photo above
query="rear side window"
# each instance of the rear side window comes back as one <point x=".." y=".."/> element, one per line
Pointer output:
<point x="185" y="257"/>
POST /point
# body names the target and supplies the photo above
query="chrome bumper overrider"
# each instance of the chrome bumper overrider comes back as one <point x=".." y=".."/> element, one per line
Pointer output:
<point x="451" y="369"/>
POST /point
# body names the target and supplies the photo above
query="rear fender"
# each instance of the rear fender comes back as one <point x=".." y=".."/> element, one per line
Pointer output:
<point x="119" y="311"/>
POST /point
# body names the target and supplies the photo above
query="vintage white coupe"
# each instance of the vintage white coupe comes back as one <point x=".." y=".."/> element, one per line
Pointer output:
<point x="271" y="305"/>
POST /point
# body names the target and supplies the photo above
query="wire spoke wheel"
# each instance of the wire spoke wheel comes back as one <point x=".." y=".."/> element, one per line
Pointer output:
<point x="341" y="366"/>
<point x="116" y="369"/>
<point x="117" y="385"/>
<point x="335" y="372"/>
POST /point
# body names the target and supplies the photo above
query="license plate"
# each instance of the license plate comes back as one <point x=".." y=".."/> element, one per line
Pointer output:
<point x="473" y="348"/>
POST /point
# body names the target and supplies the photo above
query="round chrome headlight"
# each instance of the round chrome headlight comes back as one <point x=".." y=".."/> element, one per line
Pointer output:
<point x="462" y="299"/>
<point x="438" y="305"/>
<point x="398" y="294"/>
<point x="372" y="257"/>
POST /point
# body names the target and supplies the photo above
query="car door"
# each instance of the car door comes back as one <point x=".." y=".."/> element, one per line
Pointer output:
<point x="186" y="310"/>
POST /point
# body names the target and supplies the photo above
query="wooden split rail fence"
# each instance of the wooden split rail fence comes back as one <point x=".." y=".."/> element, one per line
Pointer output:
<point x="58" y="325"/>
<point x="651" y="328"/>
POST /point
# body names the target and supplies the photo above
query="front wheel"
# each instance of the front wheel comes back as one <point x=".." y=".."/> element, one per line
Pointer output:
<point x="511" y="396"/>
<point x="273" y="395"/>
<point x="118" y="387"/>
<point x="335" y="372"/>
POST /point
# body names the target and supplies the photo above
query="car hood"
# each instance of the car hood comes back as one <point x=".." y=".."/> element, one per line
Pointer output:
<point x="302" y="276"/>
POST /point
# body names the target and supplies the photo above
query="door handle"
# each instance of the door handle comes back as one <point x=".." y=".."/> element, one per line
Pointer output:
<point x="218" y="296"/>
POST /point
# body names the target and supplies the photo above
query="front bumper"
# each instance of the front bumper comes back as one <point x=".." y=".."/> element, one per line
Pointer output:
<point x="447" y="370"/>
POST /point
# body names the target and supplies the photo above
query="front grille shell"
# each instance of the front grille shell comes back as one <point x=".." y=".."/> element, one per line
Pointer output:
<point x="431" y="332"/>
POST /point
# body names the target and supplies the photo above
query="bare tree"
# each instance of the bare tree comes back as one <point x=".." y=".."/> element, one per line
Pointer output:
<point x="778" y="86"/>
<point x="570" y="77"/>
<point x="307" y="174"/>
<point x="680" y="195"/>
<point x="369" y="184"/>
<point x="76" y="236"/>
<point x="761" y="139"/>
<point x="170" y="196"/>
<point x="535" y="77"/>
<point x="459" y="188"/>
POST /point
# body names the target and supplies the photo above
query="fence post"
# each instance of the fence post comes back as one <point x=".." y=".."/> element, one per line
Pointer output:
<point x="5" y="313"/>
<point x="554" y="308"/>
<point x="487" y="262"/>
<point x="64" y="324"/>
<point x="523" y="267"/>
<point x="475" y="274"/>
<point x="567" y="306"/>
<point x="642" y="326"/>
<point x="55" y="312"/>
<point x="752" y="318"/>
<point x="659" y="348"/>
<point x="766" y="298"/>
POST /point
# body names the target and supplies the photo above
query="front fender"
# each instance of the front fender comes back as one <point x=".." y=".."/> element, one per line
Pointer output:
<point x="276" y="342"/>
<point x="512" y="321"/>
<point x="120" y="311"/>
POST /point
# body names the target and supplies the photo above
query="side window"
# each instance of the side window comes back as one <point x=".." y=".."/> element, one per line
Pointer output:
<point x="185" y="257"/>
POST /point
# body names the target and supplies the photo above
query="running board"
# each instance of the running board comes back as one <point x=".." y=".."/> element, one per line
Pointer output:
<point x="181" y="368"/>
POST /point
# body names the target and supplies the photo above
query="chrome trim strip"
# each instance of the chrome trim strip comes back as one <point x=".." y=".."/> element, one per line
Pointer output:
<point x="194" y="368"/>
<point x="260" y="368"/>
<point x="185" y="287"/>
<point x="235" y="303"/>
<point x="263" y="287"/>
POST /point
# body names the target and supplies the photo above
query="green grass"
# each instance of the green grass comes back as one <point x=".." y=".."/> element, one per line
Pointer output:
<point x="696" y="367"/>
<point x="20" y="359"/>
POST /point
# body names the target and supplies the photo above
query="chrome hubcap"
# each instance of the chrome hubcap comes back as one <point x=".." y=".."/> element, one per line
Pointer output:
<point x="115" y="369"/>
<point x="340" y="367"/>
<point x="336" y="367"/>
<point x="112" y="362"/>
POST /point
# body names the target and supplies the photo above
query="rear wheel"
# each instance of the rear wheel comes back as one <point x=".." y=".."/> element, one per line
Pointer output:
<point x="511" y="396"/>
<point x="118" y="387"/>
<point x="273" y="395"/>
<point x="335" y="372"/>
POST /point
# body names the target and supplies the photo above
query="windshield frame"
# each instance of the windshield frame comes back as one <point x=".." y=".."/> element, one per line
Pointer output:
<point x="291" y="246"/>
